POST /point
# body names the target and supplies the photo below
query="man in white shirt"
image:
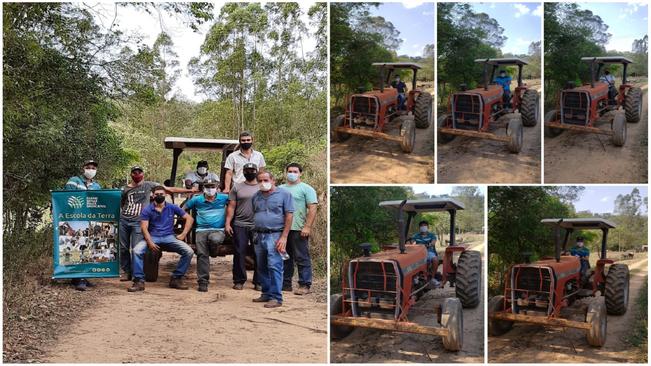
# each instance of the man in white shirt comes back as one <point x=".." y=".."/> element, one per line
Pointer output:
<point x="235" y="161"/>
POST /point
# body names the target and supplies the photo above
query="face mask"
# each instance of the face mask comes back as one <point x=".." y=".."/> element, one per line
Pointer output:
<point x="580" y="244"/>
<point x="502" y="75"/>
<point x="246" y="145"/>
<point x="265" y="186"/>
<point x="250" y="176"/>
<point x="423" y="229"/>
<point x="202" y="170"/>
<point x="137" y="177"/>
<point x="90" y="173"/>
<point x="210" y="191"/>
<point x="159" y="198"/>
<point x="292" y="177"/>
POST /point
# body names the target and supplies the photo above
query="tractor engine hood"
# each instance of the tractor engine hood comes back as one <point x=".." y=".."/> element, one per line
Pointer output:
<point x="568" y="266"/>
<point x="600" y="89"/>
<point x="387" y="97"/>
<point x="413" y="260"/>
<point x="493" y="92"/>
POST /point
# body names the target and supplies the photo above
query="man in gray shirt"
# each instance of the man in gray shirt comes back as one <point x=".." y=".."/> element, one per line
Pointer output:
<point x="239" y="224"/>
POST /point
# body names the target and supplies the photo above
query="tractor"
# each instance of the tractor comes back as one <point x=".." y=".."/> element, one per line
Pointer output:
<point x="543" y="292"/>
<point x="479" y="112"/>
<point x="379" y="289"/>
<point x="178" y="145"/>
<point x="368" y="113"/>
<point x="581" y="108"/>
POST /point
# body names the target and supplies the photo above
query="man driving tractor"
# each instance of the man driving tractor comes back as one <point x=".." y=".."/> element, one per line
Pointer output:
<point x="505" y="81"/>
<point x="402" y="88"/>
<point x="608" y="78"/>
<point x="427" y="238"/>
<point x="579" y="250"/>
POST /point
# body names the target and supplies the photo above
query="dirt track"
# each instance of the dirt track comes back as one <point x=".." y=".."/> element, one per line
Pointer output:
<point x="537" y="344"/>
<point x="371" y="346"/>
<point x="575" y="157"/>
<point x="163" y="325"/>
<point x="473" y="160"/>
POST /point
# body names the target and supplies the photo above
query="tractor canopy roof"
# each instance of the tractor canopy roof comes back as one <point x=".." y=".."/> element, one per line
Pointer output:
<point x="398" y="65"/>
<point x="608" y="60"/>
<point x="425" y="205"/>
<point x="185" y="143"/>
<point x="501" y="61"/>
<point x="581" y="223"/>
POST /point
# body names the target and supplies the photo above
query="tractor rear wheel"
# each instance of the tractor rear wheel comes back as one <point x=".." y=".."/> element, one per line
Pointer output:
<point x="452" y="320"/>
<point x="150" y="265"/>
<point x="408" y="133"/>
<point x="633" y="105"/>
<point x="339" y="136"/>
<point x="617" y="289"/>
<point x="497" y="327"/>
<point x="597" y="318"/>
<point x="551" y="131"/>
<point x="619" y="128"/>
<point x="443" y="137"/>
<point x="468" y="278"/>
<point x="514" y="131"/>
<point x="336" y="331"/>
<point x="423" y="110"/>
<point x="530" y="108"/>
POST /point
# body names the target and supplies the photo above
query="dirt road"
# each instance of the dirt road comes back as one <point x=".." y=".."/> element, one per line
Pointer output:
<point x="536" y="344"/>
<point x="472" y="160"/>
<point x="574" y="157"/>
<point x="372" y="346"/>
<point x="163" y="325"/>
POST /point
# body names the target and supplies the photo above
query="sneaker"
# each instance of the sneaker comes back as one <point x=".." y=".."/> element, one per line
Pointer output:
<point x="238" y="286"/>
<point x="203" y="287"/>
<point x="287" y="288"/>
<point x="124" y="277"/>
<point x="273" y="304"/>
<point x="257" y="287"/>
<point x="302" y="290"/>
<point x="178" y="283"/>
<point x="261" y="299"/>
<point x="80" y="285"/>
<point x="137" y="286"/>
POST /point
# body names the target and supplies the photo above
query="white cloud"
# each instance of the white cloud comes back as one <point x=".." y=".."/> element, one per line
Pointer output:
<point x="410" y="4"/>
<point x="605" y="199"/>
<point x="428" y="13"/>
<point x="492" y="6"/>
<point x="621" y="44"/>
<point x="415" y="46"/>
<point x="538" y="11"/>
<point x="521" y="10"/>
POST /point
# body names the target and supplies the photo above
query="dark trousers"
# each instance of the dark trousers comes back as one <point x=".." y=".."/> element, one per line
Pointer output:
<point x="204" y="239"/>
<point x="298" y="249"/>
<point x="242" y="241"/>
<point x="130" y="235"/>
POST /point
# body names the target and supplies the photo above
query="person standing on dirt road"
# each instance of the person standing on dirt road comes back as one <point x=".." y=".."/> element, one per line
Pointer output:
<point x="273" y="209"/>
<point x="211" y="215"/>
<point x="401" y="87"/>
<point x="240" y="225"/>
<point x="235" y="161"/>
<point x="157" y="225"/>
<point x="85" y="181"/>
<point x="305" y="205"/>
<point x="505" y="81"/>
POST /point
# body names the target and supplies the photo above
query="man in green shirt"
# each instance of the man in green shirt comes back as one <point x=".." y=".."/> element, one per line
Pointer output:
<point x="305" y="203"/>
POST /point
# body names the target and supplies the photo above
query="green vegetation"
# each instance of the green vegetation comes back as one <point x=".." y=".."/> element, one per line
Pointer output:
<point x="639" y="337"/>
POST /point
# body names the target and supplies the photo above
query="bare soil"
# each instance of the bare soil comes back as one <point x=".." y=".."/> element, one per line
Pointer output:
<point x="374" y="346"/>
<point x="473" y="160"/>
<point x="575" y="157"/>
<point x="527" y="343"/>
<point x="163" y="325"/>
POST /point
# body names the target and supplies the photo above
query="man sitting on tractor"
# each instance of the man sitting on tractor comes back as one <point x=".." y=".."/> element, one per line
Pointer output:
<point x="505" y="81"/>
<point x="401" y="87"/>
<point x="579" y="250"/>
<point x="425" y="237"/>
<point x="608" y="78"/>
<point x="199" y="176"/>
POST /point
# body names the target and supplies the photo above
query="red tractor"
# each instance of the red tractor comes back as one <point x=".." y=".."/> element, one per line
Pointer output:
<point x="582" y="108"/>
<point x="544" y="291"/>
<point x="481" y="111"/>
<point x="368" y="114"/>
<point x="379" y="289"/>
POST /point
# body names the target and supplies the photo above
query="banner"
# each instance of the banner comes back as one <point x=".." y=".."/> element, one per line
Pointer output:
<point x="86" y="240"/>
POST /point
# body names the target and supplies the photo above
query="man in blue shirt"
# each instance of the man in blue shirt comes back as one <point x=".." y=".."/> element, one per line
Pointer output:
<point x="579" y="250"/>
<point x="401" y="87"/>
<point x="505" y="81"/>
<point x="211" y="216"/>
<point x="157" y="225"/>
<point x="273" y="214"/>
<point x="424" y="237"/>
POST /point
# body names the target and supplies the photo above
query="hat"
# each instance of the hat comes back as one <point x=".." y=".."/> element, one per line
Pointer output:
<point x="579" y="238"/>
<point x="90" y="162"/>
<point x="202" y="163"/>
<point x="137" y="167"/>
<point x="209" y="182"/>
<point x="250" y="166"/>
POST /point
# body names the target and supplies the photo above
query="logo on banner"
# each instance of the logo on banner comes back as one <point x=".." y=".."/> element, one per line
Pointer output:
<point x="76" y="201"/>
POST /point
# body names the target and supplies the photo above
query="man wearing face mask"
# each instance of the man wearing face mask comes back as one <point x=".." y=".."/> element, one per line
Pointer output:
<point x="579" y="250"/>
<point x="428" y="239"/>
<point x="401" y="87"/>
<point x="211" y="215"/>
<point x="240" y="225"/>
<point x="235" y="161"/>
<point x="505" y="81"/>
<point x="85" y="181"/>
<point x="305" y="203"/>
<point x="200" y="176"/>
<point x="273" y="213"/>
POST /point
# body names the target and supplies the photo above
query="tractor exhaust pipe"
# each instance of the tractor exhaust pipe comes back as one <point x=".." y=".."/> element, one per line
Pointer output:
<point x="557" y="241"/>
<point x="453" y="214"/>
<point x="486" y="75"/>
<point x="604" y="240"/>
<point x="401" y="227"/>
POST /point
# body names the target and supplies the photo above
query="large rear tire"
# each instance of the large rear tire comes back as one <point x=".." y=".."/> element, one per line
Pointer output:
<point x="338" y="332"/>
<point x="551" y="131"/>
<point x="616" y="294"/>
<point x="514" y="131"/>
<point x="468" y="278"/>
<point x="530" y="108"/>
<point x="619" y="129"/>
<point x="443" y="138"/>
<point x="423" y="110"/>
<point x="497" y="327"/>
<point x="408" y="133"/>
<point x="452" y="320"/>
<point x="339" y="136"/>
<point x="633" y="105"/>
<point x="597" y="318"/>
<point x="150" y="265"/>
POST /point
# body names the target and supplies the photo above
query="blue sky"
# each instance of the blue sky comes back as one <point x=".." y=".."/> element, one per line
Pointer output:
<point x="626" y="22"/>
<point x="438" y="189"/>
<point x="414" y="20"/>
<point x="601" y="199"/>
<point x="521" y="23"/>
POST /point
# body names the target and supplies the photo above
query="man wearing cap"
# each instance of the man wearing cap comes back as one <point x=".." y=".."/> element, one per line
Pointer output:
<point x="211" y="215"/>
<point x="240" y="224"/>
<point x="135" y="195"/>
<point x="85" y="181"/>
<point x="235" y="161"/>
<point x="199" y="176"/>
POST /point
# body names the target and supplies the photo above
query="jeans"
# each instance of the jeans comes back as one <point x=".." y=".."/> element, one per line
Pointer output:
<point x="130" y="235"/>
<point x="431" y="255"/>
<point x="299" y="251"/>
<point x="507" y="98"/>
<point x="204" y="239"/>
<point x="401" y="101"/>
<point x="270" y="265"/>
<point x="169" y="243"/>
<point x="242" y="238"/>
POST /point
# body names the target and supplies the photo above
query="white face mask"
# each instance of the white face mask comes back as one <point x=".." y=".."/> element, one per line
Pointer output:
<point x="579" y="243"/>
<point x="210" y="191"/>
<point x="90" y="173"/>
<point x="292" y="177"/>
<point x="265" y="186"/>
<point x="423" y="229"/>
<point x="203" y="170"/>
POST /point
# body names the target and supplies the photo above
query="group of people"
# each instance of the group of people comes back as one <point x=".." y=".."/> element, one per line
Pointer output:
<point x="251" y="208"/>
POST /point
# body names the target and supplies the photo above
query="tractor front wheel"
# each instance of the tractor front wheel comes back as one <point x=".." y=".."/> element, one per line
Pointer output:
<point x="514" y="131"/>
<point x="423" y="110"/>
<point x="616" y="293"/>
<point x="551" y="131"/>
<point x="452" y="320"/>
<point x="497" y="327"/>
<point x="339" y="136"/>
<point x="633" y="105"/>
<point x="468" y="278"/>
<point x="442" y="122"/>
<point x="619" y="128"/>
<point x="597" y="318"/>
<point x="336" y="306"/>
<point x="530" y="108"/>
<point x="408" y="133"/>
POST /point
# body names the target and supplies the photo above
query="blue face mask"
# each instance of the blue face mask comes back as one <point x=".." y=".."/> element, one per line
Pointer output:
<point x="292" y="177"/>
<point x="424" y="229"/>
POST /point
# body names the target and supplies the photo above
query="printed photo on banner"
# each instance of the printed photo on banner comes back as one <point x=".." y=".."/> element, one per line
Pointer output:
<point x="87" y="242"/>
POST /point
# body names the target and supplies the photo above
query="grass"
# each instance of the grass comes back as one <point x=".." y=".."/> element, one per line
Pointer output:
<point x="639" y="336"/>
